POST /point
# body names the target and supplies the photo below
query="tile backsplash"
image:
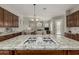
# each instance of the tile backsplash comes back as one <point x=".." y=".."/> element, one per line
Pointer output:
<point x="8" y="30"/>
<point x="2" y="29"/>
<point x="74" y="29"/>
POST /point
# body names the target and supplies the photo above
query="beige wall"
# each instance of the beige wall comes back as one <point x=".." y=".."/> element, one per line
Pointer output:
<point x="63" y="26"/>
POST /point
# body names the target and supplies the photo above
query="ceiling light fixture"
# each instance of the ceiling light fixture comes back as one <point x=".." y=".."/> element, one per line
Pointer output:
<point x="32" y="19"/>
<point x="37" y="19"/>
<point x="44" y="13"/>
<point x="34" y="16"/>
<point x="34" y="12"/>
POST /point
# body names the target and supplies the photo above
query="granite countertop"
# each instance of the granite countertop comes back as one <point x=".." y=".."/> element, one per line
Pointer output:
<point x="7" y="33"/>
<point x="71" y="33"/>
<point x="63" y="43"/>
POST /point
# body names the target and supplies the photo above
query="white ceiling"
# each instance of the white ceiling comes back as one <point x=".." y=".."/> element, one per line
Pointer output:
<point x="52" y="10"/>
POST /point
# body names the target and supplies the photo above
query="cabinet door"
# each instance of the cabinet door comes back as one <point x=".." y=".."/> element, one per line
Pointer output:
<point x="40" y="52"/>
<point x="67" y="24"/>
<point x="77" y="37"/>
<point x="1" y="17"/>
<point x="6" y="18"/>
<point x="70" y="21"/>
<point x="77" y="19"/>
<point x="5" y="52"/>
<point x="15" y="21"/>
<point x="73" y="52"/>
<point x="10" y="19"/>
<point x="73" y="20"/>
<point x="67" y="21"/>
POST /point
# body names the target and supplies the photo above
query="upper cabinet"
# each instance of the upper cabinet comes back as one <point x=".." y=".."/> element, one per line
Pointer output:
<point x="1" y="17"/>
<point x="8" y="19"/>
<point x="77" y="19"/>
<point x="73" y="19"/>
<point x="15" y="21"/>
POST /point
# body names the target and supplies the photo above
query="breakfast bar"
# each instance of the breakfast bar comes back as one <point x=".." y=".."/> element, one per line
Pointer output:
<point x="21" y="45"/>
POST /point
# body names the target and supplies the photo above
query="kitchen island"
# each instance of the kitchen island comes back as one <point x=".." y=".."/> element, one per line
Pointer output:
<point x="64" y="45"/>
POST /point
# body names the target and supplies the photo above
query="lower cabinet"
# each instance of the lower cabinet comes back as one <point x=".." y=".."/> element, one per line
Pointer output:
<point x="72" y="36"/>
<point x="5" y="37"/>
<point x="5" y="52"/>
<point x="39" y="52"/>
<point x="73" y="52"/>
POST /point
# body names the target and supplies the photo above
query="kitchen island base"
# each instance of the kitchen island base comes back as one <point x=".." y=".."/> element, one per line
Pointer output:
<point x="39" y="52"/>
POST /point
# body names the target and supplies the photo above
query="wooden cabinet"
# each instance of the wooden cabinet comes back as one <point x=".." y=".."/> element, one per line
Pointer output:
<point x="8" y="19"/>
<point x="46" y="52"/>
<point x="15" y="21"/>
<point x="5" y="52"/>
<point x="69" y="21"/>
<point x="5" y="37"/>
<point x="77" y="15"/>
<point x="1" y="17"/>
<point x="40" y="52"/>
<point x="73" y="52"/>
<point x="72" y="36"/>
<point x="34" y="52"/>
<point x="73" y="19"/>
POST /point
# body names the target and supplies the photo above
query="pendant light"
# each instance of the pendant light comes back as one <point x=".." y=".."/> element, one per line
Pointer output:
<point x="34" y="16"/>
<point x="34" y="12"/>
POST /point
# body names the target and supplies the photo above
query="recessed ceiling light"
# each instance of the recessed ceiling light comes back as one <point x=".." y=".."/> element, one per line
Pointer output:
<point x="44" y="8"/>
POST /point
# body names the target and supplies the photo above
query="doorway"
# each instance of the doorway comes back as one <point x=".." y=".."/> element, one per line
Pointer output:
<point x="59" y="27"/>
